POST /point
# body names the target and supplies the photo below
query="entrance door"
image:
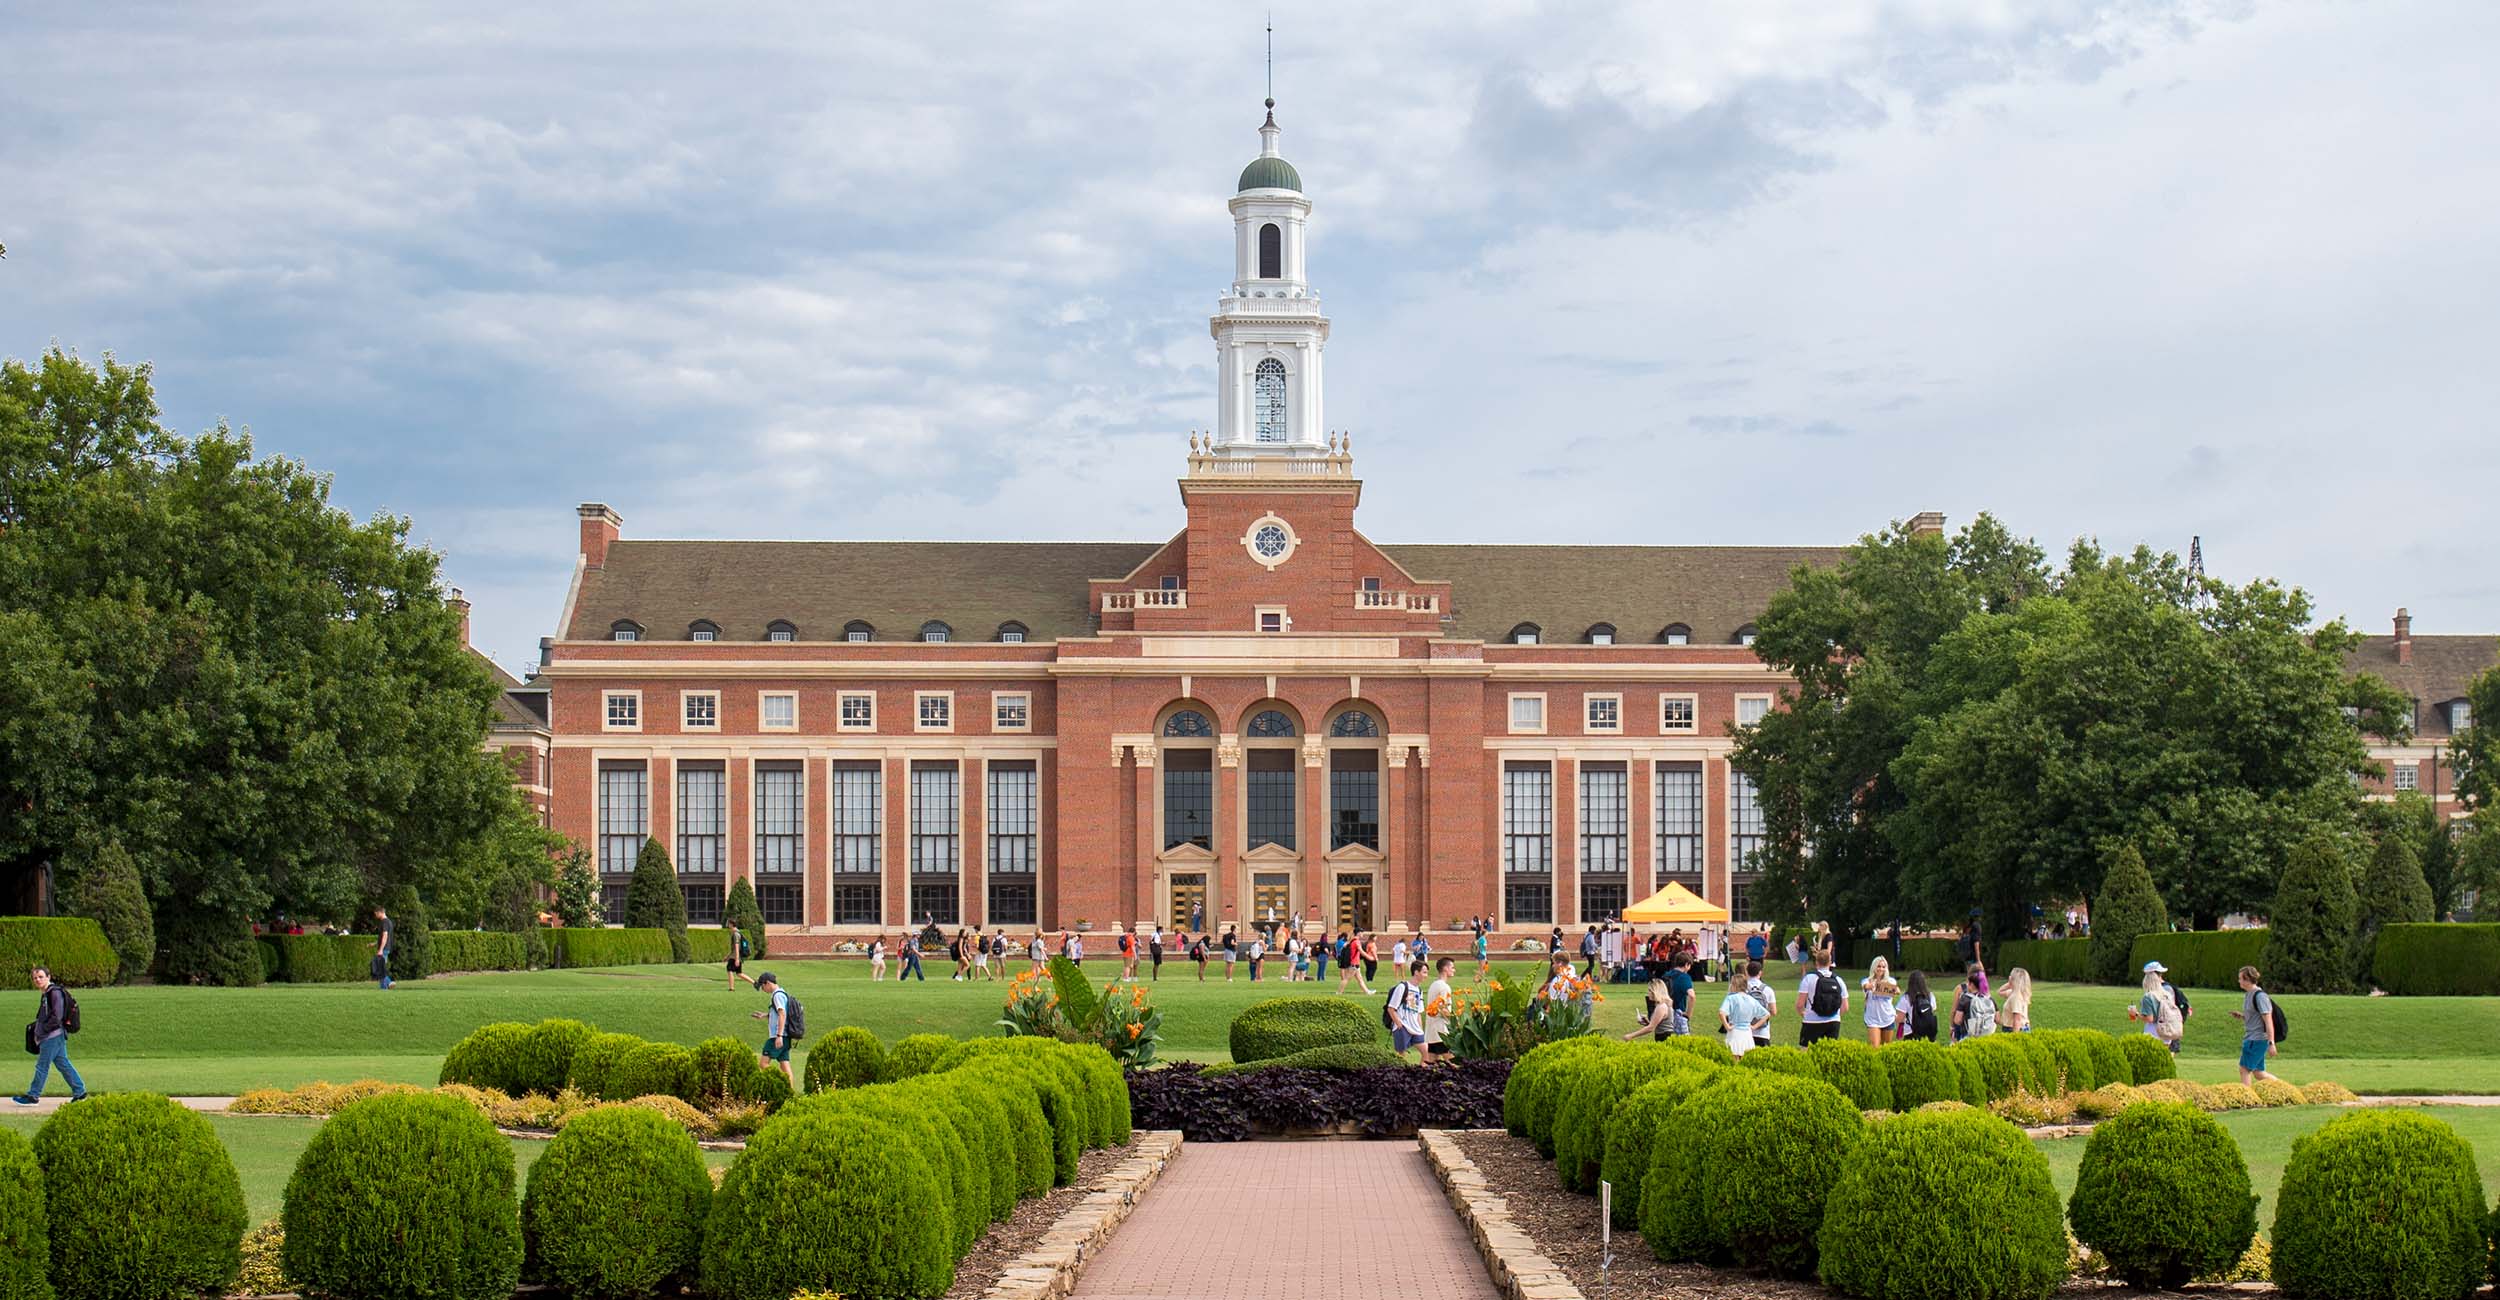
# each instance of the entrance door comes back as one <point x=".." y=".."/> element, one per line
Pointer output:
<point x="1271" y="894"/>
<point x="1354" y="901"/>
<point x="1189" y="896"/>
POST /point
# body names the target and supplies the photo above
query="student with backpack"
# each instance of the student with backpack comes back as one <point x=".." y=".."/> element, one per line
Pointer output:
<point x="1198" y="954"/>
<point x="56" y="1018"/>
<point x="737" y="954"/>
<point x="1349" y="953"/>
<point x="2261" y="1025"/>
<point x="1974" y="1012"/>
<point x="1403" y="1012"/>
<point x="1916" y="1016"/>
<point x="2157" y="1010"/>
<point x="785" y="1022"/>
<point x="1822" y="998"/>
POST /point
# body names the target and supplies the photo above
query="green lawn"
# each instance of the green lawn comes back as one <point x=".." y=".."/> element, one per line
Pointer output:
<point x="2265" y="1138"/>
<point x="210" y="1041"/>
<point x="264" y="1148"/>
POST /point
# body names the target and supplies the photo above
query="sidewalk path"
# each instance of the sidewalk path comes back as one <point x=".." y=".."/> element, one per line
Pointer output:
<point x="57" y="1100"/>
<point x="1289" y="1220"/>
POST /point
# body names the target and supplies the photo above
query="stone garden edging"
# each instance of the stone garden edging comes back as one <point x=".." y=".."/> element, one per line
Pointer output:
<point x="1051" y="1267"/>
<point x="1520" y="1271"/>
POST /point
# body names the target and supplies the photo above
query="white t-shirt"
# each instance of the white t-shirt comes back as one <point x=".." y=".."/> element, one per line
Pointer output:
<point x="1805" y="987"/>
<point x="1435" y="1026"/>
<point x="1406" y="1004"/>
<point x="1036" y="948"/>
<point x="1397" y="955"/>
<point x="1741" y="1011"/>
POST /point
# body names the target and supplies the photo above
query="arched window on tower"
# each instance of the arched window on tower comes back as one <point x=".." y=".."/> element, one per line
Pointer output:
<point x="1271" y="252"/>
<point x="1267" y="400"/>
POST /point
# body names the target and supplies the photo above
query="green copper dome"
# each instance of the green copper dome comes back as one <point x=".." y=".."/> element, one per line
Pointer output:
<point x="1270" y="174"/>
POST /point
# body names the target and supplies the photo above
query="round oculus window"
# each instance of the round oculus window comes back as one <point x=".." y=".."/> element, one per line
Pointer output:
<point x="1270" y="540"/>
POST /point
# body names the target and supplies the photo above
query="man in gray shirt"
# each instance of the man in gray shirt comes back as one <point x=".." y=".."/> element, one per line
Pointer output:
<point x="2256" y="1016"/>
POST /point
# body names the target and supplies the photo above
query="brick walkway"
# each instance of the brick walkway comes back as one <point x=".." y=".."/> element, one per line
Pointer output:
<point x="1290" y="1220"/>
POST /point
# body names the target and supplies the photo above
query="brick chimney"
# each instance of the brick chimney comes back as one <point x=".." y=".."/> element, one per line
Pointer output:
<point x="1927" y="523"/>
<point x="460" y="606"/>
<point x="600" y="527"/>
<point x="2404" y="637"/>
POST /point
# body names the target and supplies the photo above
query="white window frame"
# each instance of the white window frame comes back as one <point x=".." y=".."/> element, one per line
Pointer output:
<point x="1743" y="700"/>
<point x="1011" y="638"/>
<point x="920" y="710"/>
<point x="1511" y="715"/>
<point x="1692" y="703"/>
<point x="2405" y="776"/>
<point x="842" y="713"/>
<point x="1588" y="713"/>
<point x="781" y="636"/>
<point x="607" y="710"/>
<point x="685" y="699"/>
<point x="1258" y="621"/>
<point x="763" y="722"/>
<point x="703" y="634"/>
<point x="998" y="699"/>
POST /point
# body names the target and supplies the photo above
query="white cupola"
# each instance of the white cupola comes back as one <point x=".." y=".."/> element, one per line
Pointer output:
<point x="1268" y="330"/>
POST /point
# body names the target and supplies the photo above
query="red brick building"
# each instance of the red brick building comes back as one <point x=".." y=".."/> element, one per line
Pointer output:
<point x="1265" y="711"/>
<point x="2433" y="672"/>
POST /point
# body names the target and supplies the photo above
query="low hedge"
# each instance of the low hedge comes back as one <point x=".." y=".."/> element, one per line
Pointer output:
<point x="2163" y="1195"/>
<point x="654" y="1070"/>
<point x="2201" y="959"/>
<point x="1920" y="1072"/>
<point x="1336" y="1056"/>
<point x="1852" y="1067"/>
<point x="915" y="1054"/>
<point x="810" y="1204"/>
<point x="2148" y="1059"/>
<point x="1390" y="1101"/>
<point x="73" y="948"/>
<point x="2076" y="1067"/>
<point x="605" y="946"/>
<point x="1283" y="1026"/>
<point x="846" y="1057"/>
<point x="2380" y="1205"/>
<point x="1993" y="1227"/>
<point x="403" y="1195"/>
<point x="616" y="1205"/>
<point x="1563" y="1082"/>
<point x="2437" y="960"/>
<point x="707" y="945"/>
<point x="1062" y="1112"/>
<point x="2067" y="961"/>
<point x="458" y="950"/>
<point x="1592" y="1096"/>
<point x="25" y="1244"/>
<point x="1632" y="1134"/>
<point x="2001" y="1063"/>
<point x="317" y="958"/>
<point x="1741" y="1173"/>
<point x="1018" y="1104"/>
<point x="144" y="1203"/>
<point x="2110" y="1062"/>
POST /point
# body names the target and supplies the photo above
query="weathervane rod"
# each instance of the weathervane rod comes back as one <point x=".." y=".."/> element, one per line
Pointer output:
<point x="1271" y="56"/>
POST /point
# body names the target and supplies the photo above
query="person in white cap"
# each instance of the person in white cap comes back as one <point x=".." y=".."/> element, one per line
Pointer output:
<point x="2162" y="1011"/>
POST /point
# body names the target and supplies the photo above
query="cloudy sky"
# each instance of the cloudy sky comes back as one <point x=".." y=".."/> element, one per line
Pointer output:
<point x="1742" y="271"/>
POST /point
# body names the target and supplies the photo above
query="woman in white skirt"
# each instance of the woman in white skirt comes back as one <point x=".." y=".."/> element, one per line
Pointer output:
<point x="876" y="958"/>
<point x="1880" y="993"/>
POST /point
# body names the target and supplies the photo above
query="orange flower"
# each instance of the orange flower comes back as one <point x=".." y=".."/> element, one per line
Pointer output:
<point x="1134" y="1030"/>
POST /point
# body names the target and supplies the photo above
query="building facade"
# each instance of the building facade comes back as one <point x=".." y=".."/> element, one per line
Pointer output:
<point x="2433" y="673"/>
<point x="1264" y="714"/>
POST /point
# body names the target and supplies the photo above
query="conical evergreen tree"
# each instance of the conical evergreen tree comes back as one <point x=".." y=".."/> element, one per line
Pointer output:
<point x="743" y="913"/>
<point x="2127" y="906"/>
<point x="2392" y="892"/>
<point x="653" y="900"/>
<point x="105" y="889"/>
<point x="2310" y="935"/>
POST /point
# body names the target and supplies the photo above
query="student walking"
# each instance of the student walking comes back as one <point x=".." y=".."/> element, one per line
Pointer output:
<point x="1974" y="1013"/>
<point x="1588" y="952"/>
<point x="1198" y="954"/>
<point x="1483" y="946"/>
<point x="1406" y="1012"/>
<point x="1917" y="1011"/>
<point x="737" y="954"/>
<point x="2157" y="1011"/>
<point x="1761" y="993"/>
<point x="960" y="948"/>
<point x="1822" y="997"/>
<point x="1348" y="954"/>
<point x="1437" y="1003"/>
<point x="1397" y="956"/>
<point x="1371" y="958"/>
<point x="876" y="959"/>
<point x="1232" y="949"/>
<point x="2258" y="1034"/>
<point x="56" y="1015"/>
<point x="911" y="959"/>
<point x="383" y="950"/>
<point x="1128" y="954"/>
<point x="2014" y="1012"/>
<point x="1880" y="992"/>
<point x="1154" y="951"/>
<point x="778" y="1026"/>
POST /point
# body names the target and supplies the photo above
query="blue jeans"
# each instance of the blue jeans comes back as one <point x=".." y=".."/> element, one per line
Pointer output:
<point x="911" y="967"/>
<point x="55" y="1051"/>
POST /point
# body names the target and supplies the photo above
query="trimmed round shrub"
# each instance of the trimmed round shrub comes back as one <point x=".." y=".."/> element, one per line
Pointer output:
<point x="2148" y="1061"/>
<point x="1282" y="1026"/>
<point x="1970" y="1079"/>
<point x="1524" y="1094"/>
<point x="1849" y="1065"/>
<point x="2108" y="1100"/>
<point x="2076" y="1071"/>
<point x="653" y="1069"/>
<point x="615" y="1207"/>
<point x="2044" y="1072"/>
<point x="2000" y="1064"/>
<point x="2163" y="1194"/>
<point x="964" y="1202"/>
<point x="1580" y="1121"/>
<point x="1741" y="1172"/>
<point x="142" y="1200"/>
<point x="1338" y="1056"/>
<point x="485" y="1057"/>
<point x="1707" y="1049"/>
<point x="849" y="1057"/>
<point x="404" y="1197"/>
<point x="723" y="1068"/>
<point x="2275" y="1092"/>
<point x="1019" y="1104"/>
<point x="1558" y="1084"/>
<point x="915" y="1054"/>
<point x="595" y="1060"/>
<point x="1991" y="1228"/>
<point x="1780" y="1059"/>
<point x="1632" y="1134"/>
<point x="545" y="1059"/>
<point x="1062" y="1114"/>
<point x="984" y="1132"/>
<point x="2380" y="1205"/>
<point x="2110" y="1062"/>
<point x="25" y="1245"/>
<point x="812" y="1203"/>
<point x="1919" y="1072"/>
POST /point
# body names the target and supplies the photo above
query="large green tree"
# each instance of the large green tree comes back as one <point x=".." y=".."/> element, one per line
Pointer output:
<point x="2474" y="752"/>
<point x="264" y="702"/>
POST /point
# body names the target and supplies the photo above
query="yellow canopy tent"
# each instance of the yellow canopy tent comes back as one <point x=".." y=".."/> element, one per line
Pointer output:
<point x="1673" y="905"/>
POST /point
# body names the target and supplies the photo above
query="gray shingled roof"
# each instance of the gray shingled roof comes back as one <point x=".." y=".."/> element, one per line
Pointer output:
<point x="2441" y="667"/>
<point x="519" y="705"/>
<point x="742" y="587"/>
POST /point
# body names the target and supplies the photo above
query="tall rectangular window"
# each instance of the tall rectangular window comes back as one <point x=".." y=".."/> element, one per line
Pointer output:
<point x="1528" y="843"/>
<point x="1188" y="797"/>
<point x="1014" y="811"/>
<point x="1605" y="840"/>
<point x="1270" y="779"/>
<point x="1354" y="799"/>
<point x="1751" y="709"/>
<point x="781" y="842"/>
<point x="1744" y="824"/>
<point x="857" y="840"/>
<point x="1676" y="794"/>
<point x="936" y="831"/>
<point x="702" y="839"/>
<point x="624" y="822"/>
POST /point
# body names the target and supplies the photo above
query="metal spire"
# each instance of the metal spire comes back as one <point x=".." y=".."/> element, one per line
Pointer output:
<point x="1271" y="59"/>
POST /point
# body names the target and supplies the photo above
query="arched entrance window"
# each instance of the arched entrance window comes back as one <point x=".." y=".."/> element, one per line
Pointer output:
<point x="1267" y="400"/>
<point x="1271" y="779"/>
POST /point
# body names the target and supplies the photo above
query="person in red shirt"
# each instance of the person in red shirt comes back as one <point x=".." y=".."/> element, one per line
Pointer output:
<point x="1128" y="954"/>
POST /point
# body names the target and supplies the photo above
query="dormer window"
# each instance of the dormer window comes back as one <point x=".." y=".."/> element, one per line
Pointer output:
<point x="624" y="630"/>
<point x="2460" y="716"/>
<point x="1602" y="634"/>
<point x="1526" y="634"/>
<point x="935" y="631"/>
<point x="858" y="630"/>
<point x="1675" y="634"/>
<point x="1011" y="632"/>
<point x="703" y="629"/>
<point x="781" y="629"/>
<point x="1745" y="634"/>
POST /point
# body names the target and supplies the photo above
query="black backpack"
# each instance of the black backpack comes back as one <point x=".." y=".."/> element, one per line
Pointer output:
<point x="793" y="1019"/>
<point x="1923" y="1020"/>
<point x="1827" y="995"/>
<point x="69" y="1011"/>
<point x="2282" y="1027"/>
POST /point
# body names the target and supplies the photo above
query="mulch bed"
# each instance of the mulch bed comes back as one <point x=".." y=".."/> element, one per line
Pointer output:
<point x="998" y="1250"/>
<point x="1564" y="1225"/>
